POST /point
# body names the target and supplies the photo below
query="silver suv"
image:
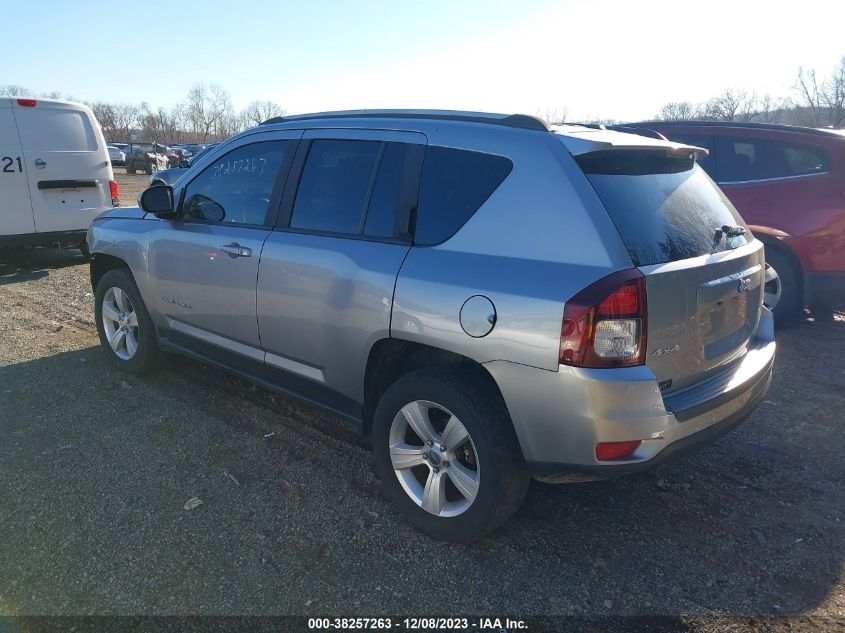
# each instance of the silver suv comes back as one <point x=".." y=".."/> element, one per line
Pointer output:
<point x="487" y="297"/>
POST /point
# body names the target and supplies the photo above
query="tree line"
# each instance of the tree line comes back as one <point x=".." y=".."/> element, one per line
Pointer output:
<point x="205" y="116"/>
<point x="815" y="101"/>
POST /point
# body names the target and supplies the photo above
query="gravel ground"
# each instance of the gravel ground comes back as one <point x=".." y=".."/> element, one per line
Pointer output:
<point x="130" y="186"/>
<point x="96" y="468"/>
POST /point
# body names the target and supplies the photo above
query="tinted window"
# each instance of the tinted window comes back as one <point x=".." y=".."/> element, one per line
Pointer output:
<point x="664" y="208"/>
<point x="756" y="159"/>
<point x="455" y="183"/>
<point x="708" y="163"/>
<point x="381" y="214"/>
<point x="236" y="188"/>
<point x="335" y="185"/>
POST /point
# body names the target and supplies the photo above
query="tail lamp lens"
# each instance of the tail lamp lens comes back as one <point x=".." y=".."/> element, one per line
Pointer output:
<point x="604" y="325"/>
<point x="115" y="193"/>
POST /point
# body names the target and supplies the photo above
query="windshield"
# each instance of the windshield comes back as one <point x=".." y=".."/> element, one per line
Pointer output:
<point x="665" y="208"/>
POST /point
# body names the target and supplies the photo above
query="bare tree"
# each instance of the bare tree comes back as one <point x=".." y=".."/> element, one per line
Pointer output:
<point x="125" y="119"/>
<point x="105" y="115"/>
<point x="209" y="110"/>
<point x="833" y="95"/>
<point x="554" y="116"/>
<point x="726" y="106"/>
<point x="12" y="90"/>
<point x="809" y="95"/>
<point x="259" y="111"/>
<point x="678" y="111"/>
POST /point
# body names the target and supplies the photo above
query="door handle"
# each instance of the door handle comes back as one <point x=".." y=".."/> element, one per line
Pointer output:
<point x="236" y="250"/>
<point x="40" y="164"/>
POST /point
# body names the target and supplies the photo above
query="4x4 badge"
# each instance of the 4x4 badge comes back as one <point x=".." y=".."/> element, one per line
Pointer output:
<point x="666" y="350"/>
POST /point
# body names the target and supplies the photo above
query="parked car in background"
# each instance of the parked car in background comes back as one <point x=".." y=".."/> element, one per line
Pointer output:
<point x="120" y="146"/>
<point x="169" y="176"/>
<point x="487" y="297"/>
<point x="146" y="157"/>
<point x="116" y="156"/>
<point x="788" y="183"/>
<point x="55" y="174"/>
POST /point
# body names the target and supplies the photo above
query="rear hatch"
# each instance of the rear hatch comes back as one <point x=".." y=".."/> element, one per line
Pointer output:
<point x="704" y="270"/>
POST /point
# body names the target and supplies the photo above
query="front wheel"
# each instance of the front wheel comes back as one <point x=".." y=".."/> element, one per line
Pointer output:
<point x="447" y="453"/>
<point x="125" y="328"/>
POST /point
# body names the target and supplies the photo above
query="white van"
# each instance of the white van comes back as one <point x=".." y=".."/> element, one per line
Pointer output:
<point x="55" y="174"/>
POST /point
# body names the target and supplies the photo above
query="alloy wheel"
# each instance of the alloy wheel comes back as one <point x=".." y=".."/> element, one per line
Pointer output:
<point x="434" y="458"/>
<point x="120" y="323"/>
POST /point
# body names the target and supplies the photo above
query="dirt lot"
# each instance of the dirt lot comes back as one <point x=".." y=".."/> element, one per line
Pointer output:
<point x="97" y="466"/>
<point x="130" y="186"/>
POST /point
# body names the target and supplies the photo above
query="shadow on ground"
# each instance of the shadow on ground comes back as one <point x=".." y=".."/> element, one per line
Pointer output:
<point x="97" y="467"/>
<point x="30" y="264"/>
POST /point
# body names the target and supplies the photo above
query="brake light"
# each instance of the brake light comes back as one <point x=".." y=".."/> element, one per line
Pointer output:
<point x="27" y="103"/>
<point x="605" y="324"/>
<point x="606" y="451"/>
<point x="115" y="193"/>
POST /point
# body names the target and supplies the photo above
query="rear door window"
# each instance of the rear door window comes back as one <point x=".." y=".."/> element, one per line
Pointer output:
<point x="664" y="208"/>
<point x="749" y="159"/>
<point x="455" y="183"/>
<point x="355" y="187"/>
<point x="335" y="186"/>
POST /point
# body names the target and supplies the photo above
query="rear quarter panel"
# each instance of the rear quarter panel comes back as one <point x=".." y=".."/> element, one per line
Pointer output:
<point x="540" y="238"/>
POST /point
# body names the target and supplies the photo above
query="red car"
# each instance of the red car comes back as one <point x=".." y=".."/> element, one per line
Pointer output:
<point x="788" y="183"/>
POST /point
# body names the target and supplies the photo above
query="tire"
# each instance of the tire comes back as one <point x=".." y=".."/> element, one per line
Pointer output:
<point x="148" y="169"/>
<point x="146" y="354"/>
<point x="789" y="304"/>
<point x="83" y="248"/>
<point x="130" y="169"/>
<point x="489" y="458"/>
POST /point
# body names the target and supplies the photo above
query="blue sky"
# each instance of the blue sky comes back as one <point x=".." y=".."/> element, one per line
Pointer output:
<point x="599" y="58"/>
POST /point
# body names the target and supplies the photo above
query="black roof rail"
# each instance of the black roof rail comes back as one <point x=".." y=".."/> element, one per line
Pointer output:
<point x="522" y="121"/>
<point x="738" y="124"/>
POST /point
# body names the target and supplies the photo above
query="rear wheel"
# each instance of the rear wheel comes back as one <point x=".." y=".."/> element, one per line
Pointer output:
<point x="130" y="169"/>
<point x="447" y="454"/>
<point x="782" y="292"/>
<point x="125" y="328"/>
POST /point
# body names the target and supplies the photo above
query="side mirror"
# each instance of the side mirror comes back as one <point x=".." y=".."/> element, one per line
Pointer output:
<point x="158" y="200"/>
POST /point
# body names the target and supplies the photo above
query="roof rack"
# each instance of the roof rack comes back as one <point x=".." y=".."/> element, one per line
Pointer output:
<point x="749" y="125"/>
<point x="522" y="121"/>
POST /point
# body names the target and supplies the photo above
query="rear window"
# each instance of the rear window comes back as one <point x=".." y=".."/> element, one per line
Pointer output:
<point x="47" y="129"/>
<point x="455" y="183"/>
<point x="665" y="208"/>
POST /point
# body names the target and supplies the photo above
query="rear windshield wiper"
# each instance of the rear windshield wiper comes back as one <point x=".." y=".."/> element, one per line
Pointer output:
<point x="727" y="230"/>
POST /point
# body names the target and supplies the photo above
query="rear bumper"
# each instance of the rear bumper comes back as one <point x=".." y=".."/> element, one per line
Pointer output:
<point x="559" y="417"/>
<point x="825" y="288"/>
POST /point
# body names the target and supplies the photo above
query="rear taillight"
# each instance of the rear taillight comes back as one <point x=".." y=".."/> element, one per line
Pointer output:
<point x="605" y="325"/>
<point x="115" y="193"/>
<point x="27" y="103"/>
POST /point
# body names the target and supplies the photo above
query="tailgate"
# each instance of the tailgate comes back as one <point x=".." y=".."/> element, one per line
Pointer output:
<point x="701" y="313"/>
<point x="703" y="268"/>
